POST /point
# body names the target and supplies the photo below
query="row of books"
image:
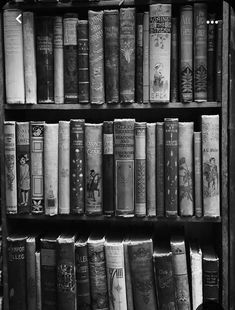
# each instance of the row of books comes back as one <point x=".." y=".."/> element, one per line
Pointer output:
<point x="113" y="56"/>
<point x="120" y="167"/>
<point x="108" y="272"/>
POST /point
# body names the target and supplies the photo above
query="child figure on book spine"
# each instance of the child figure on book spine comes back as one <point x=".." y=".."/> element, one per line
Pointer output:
<point x="24" y="180"/>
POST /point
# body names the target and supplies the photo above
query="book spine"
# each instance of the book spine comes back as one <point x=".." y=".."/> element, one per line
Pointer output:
<point x="139" y="57"/>
<point x="23" y="167"/>
<point x="31" y="273"/>
<point x="160" y="183"/>
<point x="140" y="169"/>
<point x="58" y="60"/>
<point x="211" y="165"/>
<point x="211" y="64"/>
<point x="127" y="55"/>
<point x="14" y="62"/>
<point x="64" y="167"/>
<point x="70" y="58"/>
<point x="30" y="77"/>
<point x="186" y="53"/>
<point x="111" y="44"/>
<point x="146" y="58"/>
<point x="151" y="169"/>
<point x="196" y="277"/>
<point x="198" y="173"/>
<point x="45" y="59"/>
<point x="37" y="164"/>
<point x="200" y="52"/>
<point x="124" y="166"/>
<point x="174" y="83"/>
<point x="210" y="279"/>
<point x="83" y="62"/>
<point x="171" y="136"/>
<point x="108" y="168"/>
<point x="38" y="281"/>
<point x="51" y="168"/>
<point x="186" y="182"/>
<point x="219" y="60"/>
<point x="96" y="57"/>
<point x="93" y="171"/>
<point x="10" y="166"/>
<point x="77" y="166"/>
<point x="129" y="291"/>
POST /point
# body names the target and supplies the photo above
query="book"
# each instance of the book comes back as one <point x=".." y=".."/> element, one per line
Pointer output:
<point x="159" y="51"/>
<point x="58" y="44"/>
<point x="111" y="55"/>
<point x="146" y="57"/>
<point x="211" y="61"/>
<point x="51" y="168"/>
<point x="129" y="290"/>
<point x="219" y="35"/>
<point x="198" y="173"/>
<point x="10" y="166"/>
<point x="38" y="281"/>
<point x="196" y="275"/>
<point x="160" y="167"/>
<point x="93" y="169"/>
<point x="127" y="55"/>
<point x="174" y="81"/>
<point x="139" y="57"/>
<point x="124" y="166"/>
<point x="211" y="165"/>
<point x="14" y="59"/>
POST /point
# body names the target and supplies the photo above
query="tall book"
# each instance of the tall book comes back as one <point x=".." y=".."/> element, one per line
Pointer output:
<point x="186" y="52"/>
<point x="96" y="57"/>
<point x="159" y="52"/>
<point x="94" y="169"/>
<point x="129" y="291"/>
<point x="160" y="167"/>
<point x="198" y="173"/>
<point x="10" y="166"/>
<point x="124" y="166"/>
<point x="219" y="34"/>
<point x="30" y="78"/>
<point x="51" y="168"/>
<point x="111" y="56"/>
<point x="174" y="81"/>
<point x="211" y="165"/>
<point x="70" y="58"/>
<point x="146" y="57"/>
<point x="58" y="59"/>
<point x="38" y="281"/>
<point x="196" y="275"/>
<point x="139" y="57"/>
<point x="211" y="60"/>
<point x="14" y="60"/>
<point x="77" y="166"/>
<point x="127" y="55"/>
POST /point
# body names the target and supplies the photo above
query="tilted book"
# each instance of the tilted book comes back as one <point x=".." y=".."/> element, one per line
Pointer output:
<point x="211" y="60"/>
<point x="219" y="35"/>
<point x="146" y="58"/>
<point x="139" y="57"/>
<point x="198" y="173"/>
<point x="174" y="81"/>
<point x="38" y="281"/>
<point x="129" y="290"/>
<point x="196" y="275"/>
<point x="160" y="167"/>
<point x="58" y="44"/>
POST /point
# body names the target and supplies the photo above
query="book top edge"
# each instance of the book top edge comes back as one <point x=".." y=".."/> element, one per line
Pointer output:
<point x="66" y="238"/>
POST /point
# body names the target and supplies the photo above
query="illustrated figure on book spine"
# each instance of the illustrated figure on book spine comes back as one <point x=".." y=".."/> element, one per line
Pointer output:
<point x="24" y="184"/>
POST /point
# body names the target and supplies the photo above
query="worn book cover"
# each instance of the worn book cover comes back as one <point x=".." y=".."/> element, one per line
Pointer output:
<point x="174" y="81"/>
<point x="198" y="173"/>
<point x="196" y="274"/>
<point x="160" y="169"/>
<point x="146" y="57"/>
<point x="219" y="34"/>
<point x="211" y="60"/>
<point x="58" y="44"/>
<point x="38" y="281"/>
<point x="139" y="57"/>
<point x="129" y="290"/>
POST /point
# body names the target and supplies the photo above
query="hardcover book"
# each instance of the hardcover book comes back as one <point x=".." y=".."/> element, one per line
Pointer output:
<point x="139" y="57"/>
<point x="211" y="60"/>
<point x="219" y="34"/>
<point x="146" y="57"/>
<point x="198" y="173"/>
<point x="174" y="81"/>
<point x="160" y="183"/>
<point x="38" y="281"/>
<point x="196" y="275"/>
<point x="58" y="44"/>
<point x="129" y="290"/>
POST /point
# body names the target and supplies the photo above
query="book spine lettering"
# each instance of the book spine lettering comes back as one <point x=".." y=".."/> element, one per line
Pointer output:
<point x="219" y="34"/>
<point x="211" y="64"/>
<point x="58" y="60"/>
<point x="146" y="58"/>
<point x="174" y="90"/>
<point x="139" y="57"/>
<point x="160" y="186"/>
<point x="198" y="173"/>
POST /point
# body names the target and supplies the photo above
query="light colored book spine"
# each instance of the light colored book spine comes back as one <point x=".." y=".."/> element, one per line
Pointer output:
<point x="51" y="168"/>
<point x="58" y="60"/>
<point x="196" y="274"/>
<point x="10" y="166"/>
<point x="146" y="58"/>
<point x="198" y="173"/>
<point x="38" y="280"/>
<point x="186" y="184"/>
<point x="129" y="291"/>
<point x="14" y="62"/>
<point x="160" y="52"/>
<point x="64" y="167"/>
<point x="30" y="76"/>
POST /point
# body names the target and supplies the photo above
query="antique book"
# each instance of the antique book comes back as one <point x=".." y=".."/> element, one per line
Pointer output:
<point x="96" y="57"/>
<point x="64" y="167"/>
<point x="151" y="169"/>
<point x="140" y="168"/>
<point x="211" y="60"/>
<point x="198" y="173"/>
<point x="200" y="52"/>
<point x="219" y="35"/>
<point x="129" y="290"/>
<point x="58" y="44"/>
<point x="45" y="59"/>
<point x="108" y="168"/>
<point x="93" y="169"/>
<point x="16" y="262"/>
<point x="70" y="22"/>
<point x="36" y="137"/>
<point x="139" y="57"/>
<point x="66" y="279"/>
<point x="23" y="167"/>
<point x="14" y="60"/>
<point x="146" y="57"/>
<point x="171" y="142"/>
<point x="174" y="81"/>
<point x="51" y="168"/>
<point x="186" y="53"/>
<point x="180" y="273"/>
<point x="98" y="277"/>
<point x="185" y="165"/>
<point x="211" y="165"/>
<point x="124" y="166"/>
<point x="111" y="55"/>
<point x="127" y="55"/>
<point x="159" y="51"/>
<point x="83" y="62"/>
<point x="30" y="78"/>
<point x="160" y="167"/>
<point x="196" y="275"/>
<point x="38" y="281"/>
<point x="77" y="166"/>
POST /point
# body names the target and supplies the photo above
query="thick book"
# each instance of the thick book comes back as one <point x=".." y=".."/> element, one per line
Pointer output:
<point x="38" y="281"/>
<point x="159" y="52"/>
<point x="129" y="290"/>
<point x="174" y="81"/>
<point x="10" y="166"/>
<point x="14" y="59"/>
<point x="111" y="55"/>
<point x="219" y="35"/>
<point x="127" y="55"/>
<point x="51" y="168"/>
<point x="23" y="167"/>
<point x="160" y="169"/>
<point x="77" y="166"/>
<point x="211" y="165"/>
<point x="93" y="169"/>
<point x="124" y="166"/>
<point x="198" y="173"/>
<point x="211" y="60"/>
<point x="196" y="275"/>
<point x="139" y="57"/>
<point x="146" y="57"/>
<point x="58" y="44"/>
<point x="96" y="57"/>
